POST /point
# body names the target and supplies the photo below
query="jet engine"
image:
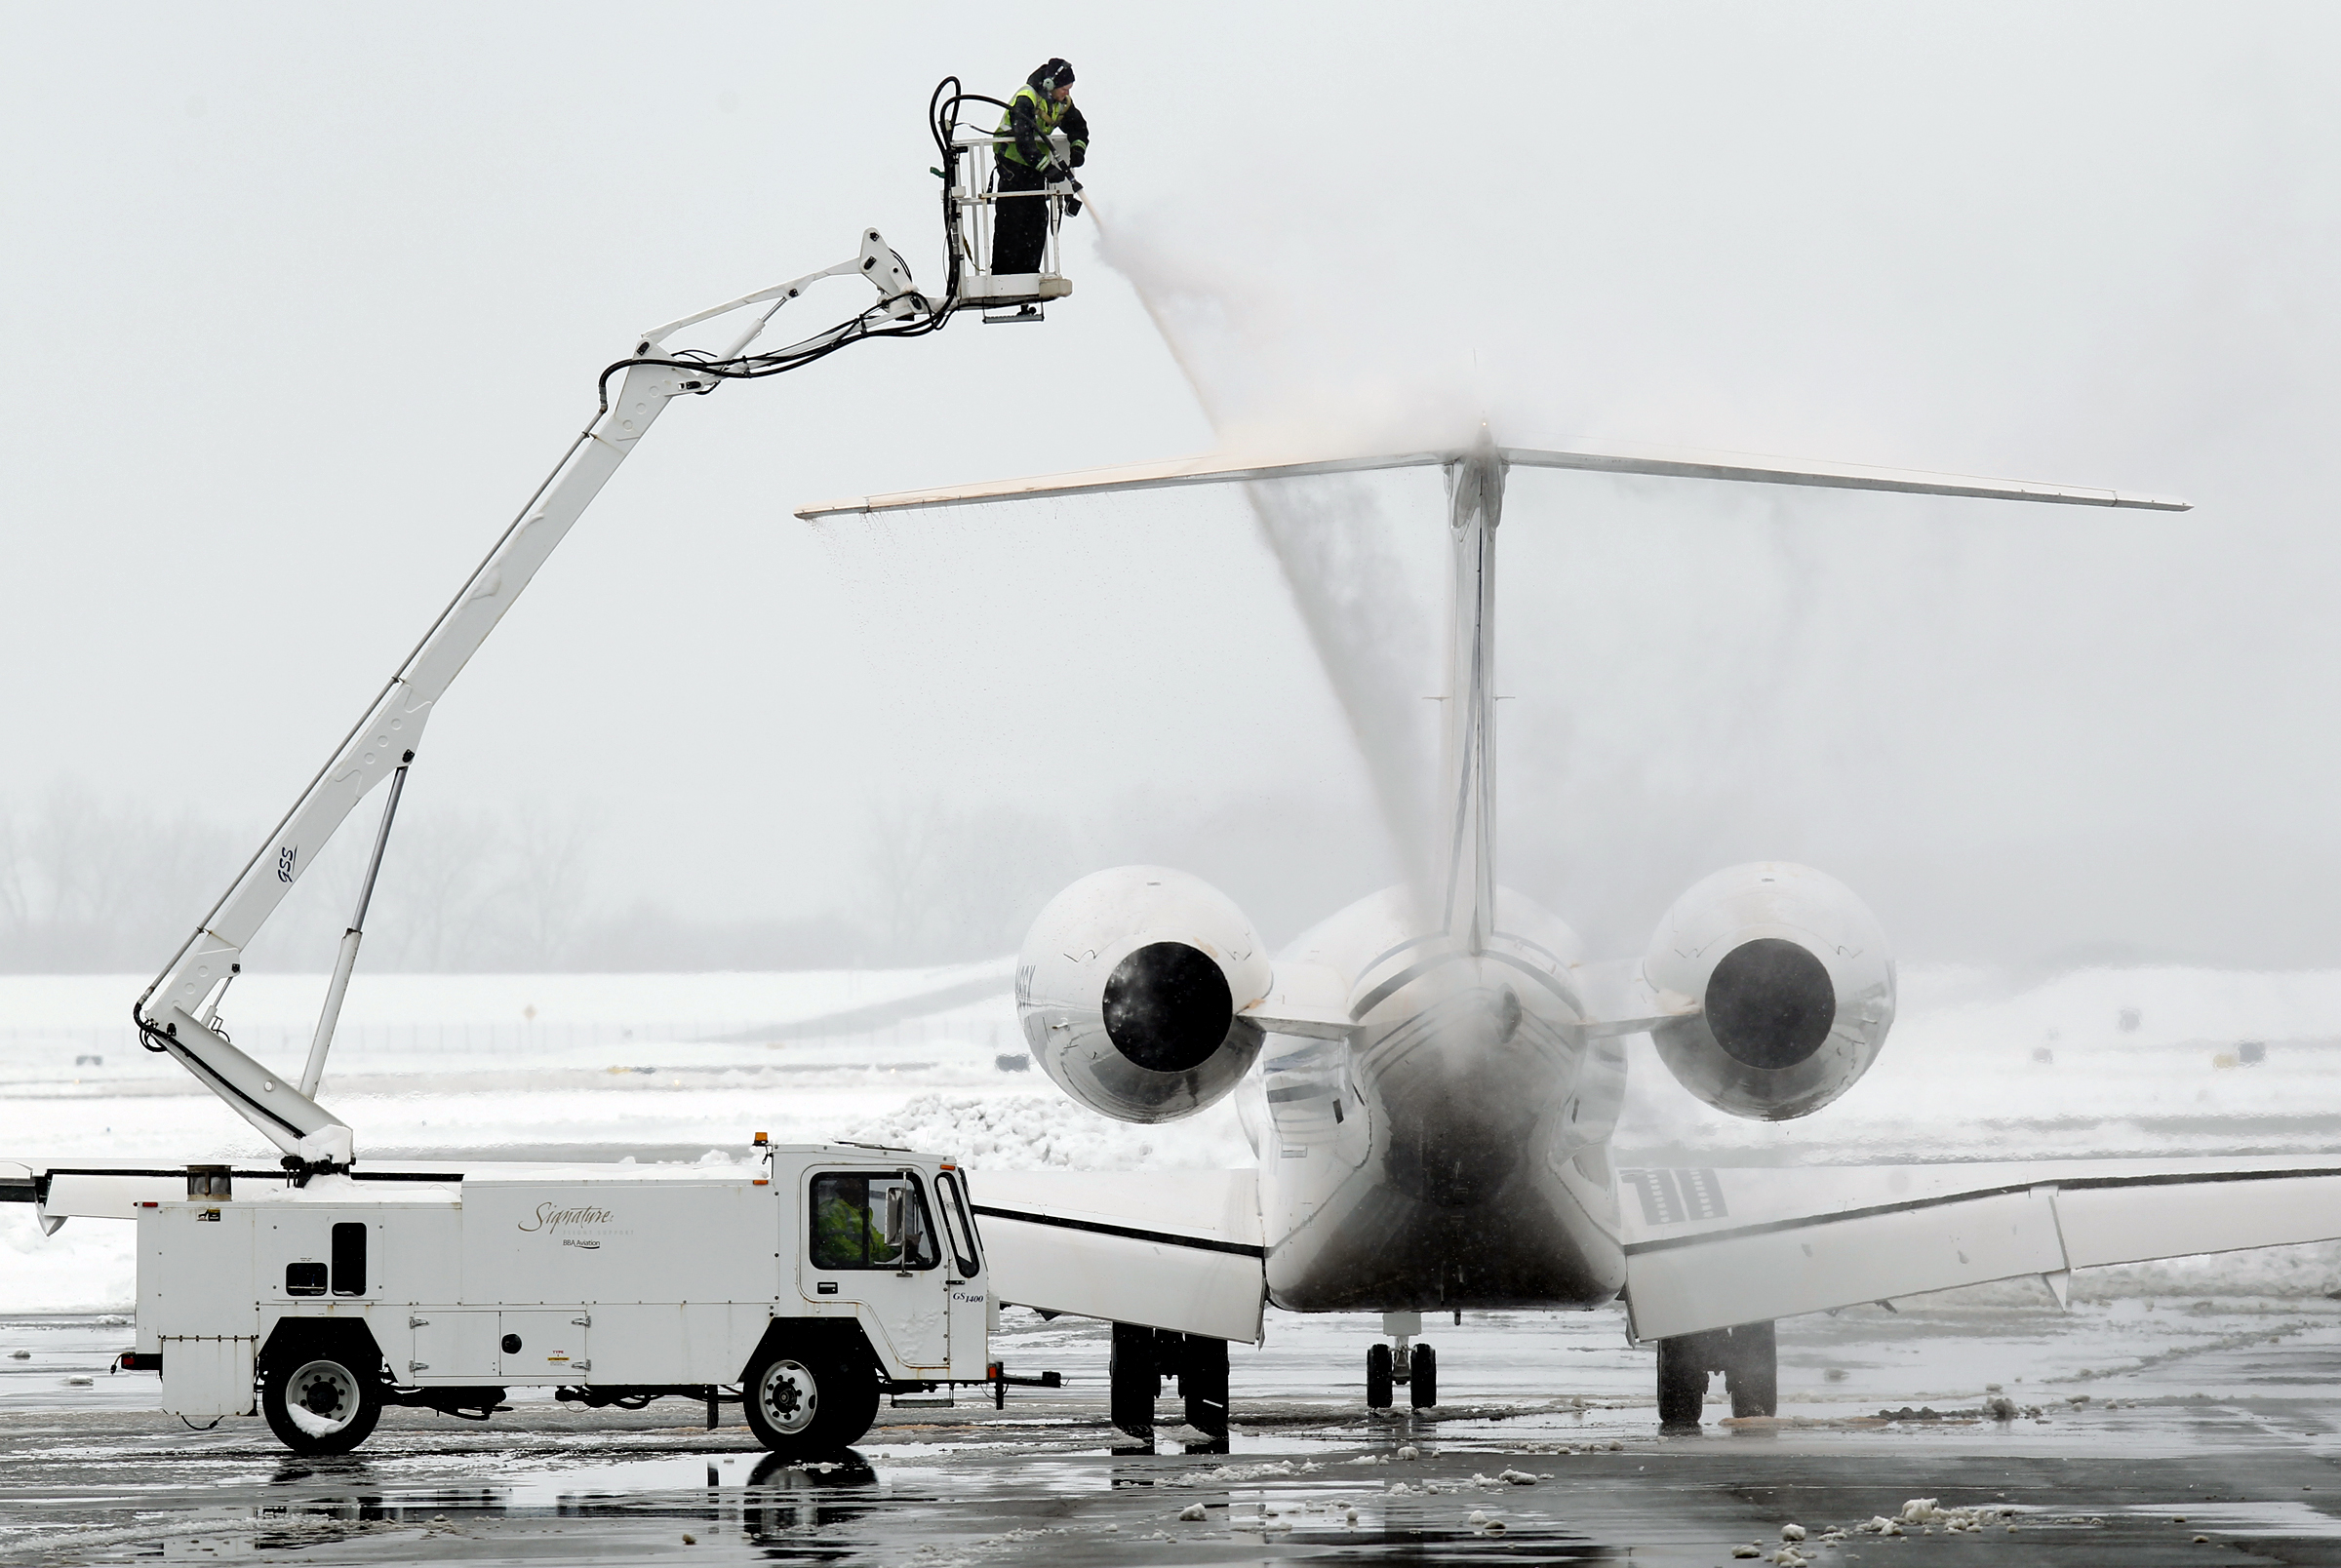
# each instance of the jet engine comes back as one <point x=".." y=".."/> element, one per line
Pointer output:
<point x="1795" y="986"/>
<point x="1128" y="990"/>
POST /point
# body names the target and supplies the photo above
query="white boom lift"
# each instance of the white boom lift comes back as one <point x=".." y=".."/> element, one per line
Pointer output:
<point x="814" y="1279"/>
<point x="180" y="1013"/>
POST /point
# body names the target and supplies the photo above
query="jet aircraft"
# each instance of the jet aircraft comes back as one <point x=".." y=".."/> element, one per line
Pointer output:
<point x="1431" y="1078"/>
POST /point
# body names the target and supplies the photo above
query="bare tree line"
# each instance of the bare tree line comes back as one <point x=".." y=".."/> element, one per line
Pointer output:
<point x="94" y="886"/>
<point x="89" y="884"/>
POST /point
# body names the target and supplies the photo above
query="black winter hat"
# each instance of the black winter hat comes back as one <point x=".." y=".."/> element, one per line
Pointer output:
<point x="1057" y="73"/>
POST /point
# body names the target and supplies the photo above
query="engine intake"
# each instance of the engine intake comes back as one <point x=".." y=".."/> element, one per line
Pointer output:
<point x="1795" y="985"/>
<point x="1129" y="987"/>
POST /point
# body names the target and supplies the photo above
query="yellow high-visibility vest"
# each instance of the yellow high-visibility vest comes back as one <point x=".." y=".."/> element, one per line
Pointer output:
<point x="1047" y="114"/>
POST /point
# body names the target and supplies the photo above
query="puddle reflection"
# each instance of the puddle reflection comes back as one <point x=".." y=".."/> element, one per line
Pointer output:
<point x="764" y="1494"/>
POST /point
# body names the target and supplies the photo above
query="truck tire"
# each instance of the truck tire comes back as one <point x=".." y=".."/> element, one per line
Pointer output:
<point x="319" y="1399"/>
<point x="808" y="1402"/>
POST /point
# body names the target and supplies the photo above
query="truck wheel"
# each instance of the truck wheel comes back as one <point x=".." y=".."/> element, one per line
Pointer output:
<point x="808" y="1403"/>
<point x="319" y="1403"/>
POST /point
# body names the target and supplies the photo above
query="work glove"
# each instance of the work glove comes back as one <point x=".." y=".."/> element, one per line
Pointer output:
<point x="1072" y="207"/>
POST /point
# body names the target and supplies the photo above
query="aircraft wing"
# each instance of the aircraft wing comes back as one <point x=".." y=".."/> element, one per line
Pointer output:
<point x="1171" y="1249"/>
<point x="1710" y="1248"/>
<point x="1745" y="467"/>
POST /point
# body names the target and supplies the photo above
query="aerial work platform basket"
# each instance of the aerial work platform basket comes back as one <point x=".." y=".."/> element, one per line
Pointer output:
<point x="973" y="204"/>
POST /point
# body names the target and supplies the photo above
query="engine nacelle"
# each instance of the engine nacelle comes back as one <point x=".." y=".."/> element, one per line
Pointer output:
<point x="1128" y="990"/>
<point x="1795" y="985"/>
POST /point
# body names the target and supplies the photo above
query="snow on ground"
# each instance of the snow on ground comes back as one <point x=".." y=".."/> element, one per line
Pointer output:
<point x="88" y="1265"/>
<point x="2097" y="1062"/>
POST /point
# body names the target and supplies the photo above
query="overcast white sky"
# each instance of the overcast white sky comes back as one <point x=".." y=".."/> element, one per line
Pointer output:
<point x="302" y="301"/>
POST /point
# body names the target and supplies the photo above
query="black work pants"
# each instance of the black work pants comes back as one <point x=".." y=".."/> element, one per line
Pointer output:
<point x="1020" y="223"/>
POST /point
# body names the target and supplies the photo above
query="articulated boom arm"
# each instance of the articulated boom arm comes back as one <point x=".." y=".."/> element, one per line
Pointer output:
<point x="173" y="1016"/>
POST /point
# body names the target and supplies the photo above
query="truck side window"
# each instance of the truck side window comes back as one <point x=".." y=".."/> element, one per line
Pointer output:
<point x="871" y="1221"/>
<point x="956" y="1226"/>
<point x="304" y="1278"/>
<point x="349" y="1258"/>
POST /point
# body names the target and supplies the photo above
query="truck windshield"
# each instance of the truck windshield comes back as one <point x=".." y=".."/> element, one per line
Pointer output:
<point x="864" y="1220"/>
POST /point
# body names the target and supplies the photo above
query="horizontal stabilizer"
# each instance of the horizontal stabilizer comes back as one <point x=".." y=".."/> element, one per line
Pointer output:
<point x="1221" y="469"/>
<point x="1749" y="468"/>
<point x="1204" y="470"/>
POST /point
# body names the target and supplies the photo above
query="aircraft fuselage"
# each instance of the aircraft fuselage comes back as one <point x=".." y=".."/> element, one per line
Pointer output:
<point x="1454" y="1151"/>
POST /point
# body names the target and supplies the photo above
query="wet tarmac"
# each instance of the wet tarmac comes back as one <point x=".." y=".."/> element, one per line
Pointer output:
<point x="2144" y="1432"/>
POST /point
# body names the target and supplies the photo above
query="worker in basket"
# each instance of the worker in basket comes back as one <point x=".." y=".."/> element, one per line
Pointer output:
<point x="1042" y="104"/>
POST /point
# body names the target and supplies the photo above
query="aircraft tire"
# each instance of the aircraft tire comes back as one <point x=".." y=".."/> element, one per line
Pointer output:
<point x="1134" y="1382"/>
<point x="1203" y="1384"/>
<point x="1422" y="1377"/>
<point x="1752" y="1369"/>
<point x="1681" y="1380"/>
<point x="1377" y="1377"/>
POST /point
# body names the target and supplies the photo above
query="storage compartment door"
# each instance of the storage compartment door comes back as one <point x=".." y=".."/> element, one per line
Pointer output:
<point x="207" y="1376"/>
<point x="545" y="1345"/>
<point x="450" y="1345"/>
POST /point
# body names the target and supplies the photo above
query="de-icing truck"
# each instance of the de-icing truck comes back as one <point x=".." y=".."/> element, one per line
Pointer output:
<point x="814" y="1281"/>
<point x="811" y="1279"/>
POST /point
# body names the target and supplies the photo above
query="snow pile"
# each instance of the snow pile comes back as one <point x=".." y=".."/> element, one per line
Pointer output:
<point x="1044" y="1132"/>
<point x="1232" y="1474"/>
<point x="88" y="1265"/>
<point x="1929" y="1515"/>
<point x="1927" y="1512"/>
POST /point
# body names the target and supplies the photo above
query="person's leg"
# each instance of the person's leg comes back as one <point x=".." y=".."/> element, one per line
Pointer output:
<point x="1019" y="224"/>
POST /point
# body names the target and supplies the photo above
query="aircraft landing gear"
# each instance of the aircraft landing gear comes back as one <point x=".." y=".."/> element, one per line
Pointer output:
<point x="1749" y="1358"/>
<point x="1142" y="1358"/>
<point x="1414" y="1366"/>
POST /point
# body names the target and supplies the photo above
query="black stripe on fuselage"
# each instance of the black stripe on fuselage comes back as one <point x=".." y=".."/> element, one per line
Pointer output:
<point x="1128" y="1231"/>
